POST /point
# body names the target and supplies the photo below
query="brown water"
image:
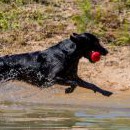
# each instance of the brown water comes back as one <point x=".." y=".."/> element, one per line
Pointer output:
<point x="23" y="107"/>
<point x="28" y="116"/>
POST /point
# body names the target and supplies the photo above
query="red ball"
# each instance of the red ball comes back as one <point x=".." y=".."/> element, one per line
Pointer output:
<point x="95" y="56"/>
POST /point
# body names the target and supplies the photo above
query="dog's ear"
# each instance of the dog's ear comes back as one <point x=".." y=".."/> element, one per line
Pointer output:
<point x="74" y="37"/>
<point x="75" y="34"/>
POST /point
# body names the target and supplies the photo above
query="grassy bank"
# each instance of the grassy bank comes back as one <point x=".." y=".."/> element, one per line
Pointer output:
<point x="27" y="25"/>
<point x="109" y="19"/>
<point x="30" y="24"/>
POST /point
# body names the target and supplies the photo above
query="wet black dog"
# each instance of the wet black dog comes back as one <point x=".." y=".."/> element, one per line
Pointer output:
<point x="58" y="64"/>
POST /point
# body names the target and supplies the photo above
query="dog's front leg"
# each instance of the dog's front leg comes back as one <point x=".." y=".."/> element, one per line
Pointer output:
<point x="63" y="81"/>
<point x="93" y="87"/>
<point x="70" y="89"/>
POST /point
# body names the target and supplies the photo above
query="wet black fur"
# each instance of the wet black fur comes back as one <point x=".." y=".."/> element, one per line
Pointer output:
<point x="58" y="64"/>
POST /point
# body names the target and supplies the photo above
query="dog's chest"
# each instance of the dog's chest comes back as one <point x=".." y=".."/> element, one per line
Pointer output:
<point x="70" y="69"/>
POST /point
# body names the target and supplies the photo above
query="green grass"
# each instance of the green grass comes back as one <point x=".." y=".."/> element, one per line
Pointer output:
<point x="14" y="16"/>
<point x="22" y="22"/>
<point x="26" y="21"/>
<point x="109" y="20"/>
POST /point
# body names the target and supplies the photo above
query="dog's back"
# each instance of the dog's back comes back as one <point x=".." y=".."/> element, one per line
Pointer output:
<point x="35" y="66"/>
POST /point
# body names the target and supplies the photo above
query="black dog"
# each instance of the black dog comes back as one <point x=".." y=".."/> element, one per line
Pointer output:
<point x="58" y="64"/>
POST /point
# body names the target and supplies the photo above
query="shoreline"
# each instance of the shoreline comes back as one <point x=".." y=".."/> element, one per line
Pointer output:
<point x="20" y="93"/>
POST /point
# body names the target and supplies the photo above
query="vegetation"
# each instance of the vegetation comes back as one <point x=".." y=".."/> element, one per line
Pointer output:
<point x="108" y="19"/>
<point x="23" y="22"/>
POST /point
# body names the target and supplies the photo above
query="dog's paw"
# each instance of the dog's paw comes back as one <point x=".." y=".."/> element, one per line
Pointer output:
<point x="107" y="93"/>
<point x="68" y="90"/>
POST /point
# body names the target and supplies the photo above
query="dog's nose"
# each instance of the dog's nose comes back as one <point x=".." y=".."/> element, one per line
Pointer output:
<point x="104" y="52"/>
<point x="107" y="52"/>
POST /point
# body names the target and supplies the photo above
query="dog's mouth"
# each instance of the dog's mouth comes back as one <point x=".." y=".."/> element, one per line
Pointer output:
<point x="93" y="56"/>
<point x="88" y="56"/>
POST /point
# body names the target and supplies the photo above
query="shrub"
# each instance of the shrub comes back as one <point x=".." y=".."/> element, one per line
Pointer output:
<point x="109" y="20"/>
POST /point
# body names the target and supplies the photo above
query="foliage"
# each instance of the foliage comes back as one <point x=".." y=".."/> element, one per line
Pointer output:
<point x="109" y="20"/>
<point x="23" y="22"/>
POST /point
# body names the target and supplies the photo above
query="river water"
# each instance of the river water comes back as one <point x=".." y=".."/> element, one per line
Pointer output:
<point x="26" y="114"/>
<point x="16" y="116"/>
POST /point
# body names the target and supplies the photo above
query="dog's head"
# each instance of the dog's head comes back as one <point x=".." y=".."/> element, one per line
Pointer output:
<point x="88" y="43"/>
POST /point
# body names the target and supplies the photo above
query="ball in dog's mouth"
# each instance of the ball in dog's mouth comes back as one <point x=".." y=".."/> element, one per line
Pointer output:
<point x="95" y="56"/>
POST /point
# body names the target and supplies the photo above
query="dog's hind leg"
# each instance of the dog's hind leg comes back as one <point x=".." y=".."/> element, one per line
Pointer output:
<point x="1" y="65"/>
<point x="7" y="72"/>
<point x="2" y="70"/>
<point x="8" y="75"/>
